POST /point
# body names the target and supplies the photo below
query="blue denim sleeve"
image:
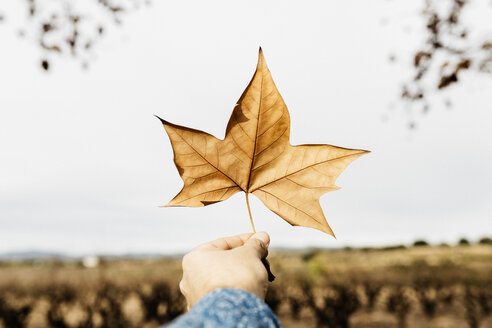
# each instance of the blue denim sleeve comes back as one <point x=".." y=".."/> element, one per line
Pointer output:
<point x="224" y="308"/>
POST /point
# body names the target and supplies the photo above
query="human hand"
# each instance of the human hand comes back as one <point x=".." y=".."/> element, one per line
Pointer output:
<point x="231" y="262"/>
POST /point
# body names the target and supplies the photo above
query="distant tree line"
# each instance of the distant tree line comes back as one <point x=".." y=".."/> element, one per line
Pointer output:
<point x="416" y="243"/>
<point x="461" y="242"/>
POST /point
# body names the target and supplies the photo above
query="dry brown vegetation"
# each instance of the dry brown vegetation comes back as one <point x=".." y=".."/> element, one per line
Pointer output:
<point x="392" y="287"/>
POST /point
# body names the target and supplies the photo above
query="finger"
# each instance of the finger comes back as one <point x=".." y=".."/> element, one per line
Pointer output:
<point x="228" y="242"/>
<point x="258" y="243"/>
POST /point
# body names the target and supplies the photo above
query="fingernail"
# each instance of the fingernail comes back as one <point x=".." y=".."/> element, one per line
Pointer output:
<point x="263" y="236"/>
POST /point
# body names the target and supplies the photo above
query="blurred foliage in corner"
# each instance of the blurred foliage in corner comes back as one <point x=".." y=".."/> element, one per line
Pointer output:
<point x="451" y="47"/>
<point x="60" y="27"/>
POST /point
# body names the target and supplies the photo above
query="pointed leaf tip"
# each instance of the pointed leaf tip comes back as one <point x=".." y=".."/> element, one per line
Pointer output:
<point x="160" y="119"/>
<point x="164" y="122"/>
<point x="261" y="61"/>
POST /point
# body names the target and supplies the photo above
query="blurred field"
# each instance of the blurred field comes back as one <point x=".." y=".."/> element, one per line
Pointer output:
<point x="389" y="287"/>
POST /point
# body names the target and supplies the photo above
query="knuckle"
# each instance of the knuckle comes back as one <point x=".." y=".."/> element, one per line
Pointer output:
<point x="182" y="286"/>
<point x="186" y="259"/>
<point x="258" y="247"/>
<point x="256" y="244"/>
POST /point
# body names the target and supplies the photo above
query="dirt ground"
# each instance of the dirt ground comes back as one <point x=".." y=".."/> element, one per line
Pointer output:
<point x="389" y="287"/>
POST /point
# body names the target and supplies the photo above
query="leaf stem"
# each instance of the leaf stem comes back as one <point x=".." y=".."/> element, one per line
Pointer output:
<point x="249" y="211"/>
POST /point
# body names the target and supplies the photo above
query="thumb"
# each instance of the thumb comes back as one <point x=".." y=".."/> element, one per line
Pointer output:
<point x="259" y="244"/>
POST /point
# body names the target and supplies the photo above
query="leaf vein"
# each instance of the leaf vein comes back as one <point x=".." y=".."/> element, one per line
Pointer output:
<point x="295" y="208"/>
<point x="301" y="169"/>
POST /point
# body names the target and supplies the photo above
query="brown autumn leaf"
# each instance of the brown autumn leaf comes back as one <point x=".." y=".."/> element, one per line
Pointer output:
<point x="256" y="157"/>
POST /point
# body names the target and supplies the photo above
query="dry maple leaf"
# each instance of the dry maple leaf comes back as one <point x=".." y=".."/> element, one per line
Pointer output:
<point x="256" y="157"/>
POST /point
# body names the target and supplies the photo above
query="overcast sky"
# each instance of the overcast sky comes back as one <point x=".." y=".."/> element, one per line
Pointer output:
<point x="84" y="164"/>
